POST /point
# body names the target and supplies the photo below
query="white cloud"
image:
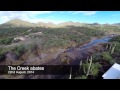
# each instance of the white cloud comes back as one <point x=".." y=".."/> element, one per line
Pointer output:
<point x="45" y="20"/>
<point x="84" y="12"/>
<point x="4" y="19"/>
<point x="31" y="15"/>
<point x="24" y="15"/>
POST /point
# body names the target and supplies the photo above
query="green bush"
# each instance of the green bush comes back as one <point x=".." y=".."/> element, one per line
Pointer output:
<point x="19" y="50"/>
<point x="112" y="62"/>
<point x="95" y="69"/>
<point x="32" y="47"/>
<point x="117" y="48"/>
<point x="117" y="39"/>
<point x="107" y="56"/>
<point x="96" y="57"/>
<point x="6" y="41"/>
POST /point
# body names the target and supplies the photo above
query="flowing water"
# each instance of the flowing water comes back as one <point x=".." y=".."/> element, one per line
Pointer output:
<point x="102" y="40"/>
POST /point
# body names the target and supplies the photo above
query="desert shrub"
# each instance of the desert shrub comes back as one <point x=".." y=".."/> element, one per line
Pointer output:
<point x="19" y="50"/>
<point x="26" y="33"/>
<point x="117" y="48"/>
<point x="117" y="39"/>
<point x="31" y="47"/>
<point x="92" y="68"/>
<point x="112" y="62"/>
<point x="1" y="49"/>
<point x="107" y="56"/>
<point x="95" y="69"/>
<point x="66" y="61"/>
<point x="97" y="57"/>
<point x="6" y="41"/>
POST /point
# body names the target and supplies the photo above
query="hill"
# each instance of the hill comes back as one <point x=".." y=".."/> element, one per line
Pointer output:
<point x="70" y="23"/>
<point x="49" y="24"/>
<point x="16" y="23"/>
<point x="21" y="23"/>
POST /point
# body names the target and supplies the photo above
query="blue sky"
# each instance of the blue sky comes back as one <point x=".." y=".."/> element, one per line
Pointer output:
<point x="56" y="17"/>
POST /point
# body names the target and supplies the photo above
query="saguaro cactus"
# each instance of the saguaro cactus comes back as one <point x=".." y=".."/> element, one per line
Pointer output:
<point x="110" y="47"/>
<point x="89" y="66"/>
<point x="70" y="77"/>
<point x="84" y="69"/>
<point x="113" y="48"/>
<point x="87" y="59"/>
<point x="80" y="64"/>
<point x="107" y="46"/>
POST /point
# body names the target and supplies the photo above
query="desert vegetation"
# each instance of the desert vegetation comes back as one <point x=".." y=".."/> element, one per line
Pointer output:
<point x="40" y="48"/>
<point x="100" y="62"/>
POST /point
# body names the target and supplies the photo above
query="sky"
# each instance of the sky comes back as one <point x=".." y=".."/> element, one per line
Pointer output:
<point x="101" y="17"/>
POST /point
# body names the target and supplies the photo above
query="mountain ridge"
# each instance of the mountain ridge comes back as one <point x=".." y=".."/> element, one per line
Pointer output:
<point x="19" y="23"/>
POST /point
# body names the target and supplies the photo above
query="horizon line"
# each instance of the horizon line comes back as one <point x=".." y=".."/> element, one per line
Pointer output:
<point x="60" y="22"/>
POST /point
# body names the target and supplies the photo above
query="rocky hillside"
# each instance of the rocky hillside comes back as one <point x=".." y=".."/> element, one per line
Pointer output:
<point x="17" y="23"/>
